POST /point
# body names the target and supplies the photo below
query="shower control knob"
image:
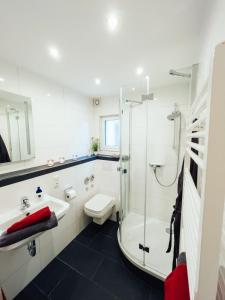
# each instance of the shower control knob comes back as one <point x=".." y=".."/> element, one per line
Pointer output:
<point x="119" y="169"/>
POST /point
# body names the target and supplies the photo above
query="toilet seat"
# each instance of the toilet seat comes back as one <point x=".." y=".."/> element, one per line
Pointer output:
<point x="99" y="204"/>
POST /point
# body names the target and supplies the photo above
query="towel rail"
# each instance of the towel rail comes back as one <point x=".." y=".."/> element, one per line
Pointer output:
<point x="198" y="134"/>
<point x="203" y="205"/>
<point x="191" y="228"/>
<point x="199" y="161"/>
<point x="198" y="122"/>
<point x="200" y="148"/>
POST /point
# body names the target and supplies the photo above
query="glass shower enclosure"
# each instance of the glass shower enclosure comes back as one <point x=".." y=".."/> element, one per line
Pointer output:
<point x="142" y="236"/>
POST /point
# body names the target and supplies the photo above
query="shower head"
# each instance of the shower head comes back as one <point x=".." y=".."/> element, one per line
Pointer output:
<point x="176" y="73"/>
<point x="174" y="115"/>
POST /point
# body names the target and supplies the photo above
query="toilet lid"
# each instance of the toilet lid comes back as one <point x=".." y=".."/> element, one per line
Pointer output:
<point x="98" y="203"/>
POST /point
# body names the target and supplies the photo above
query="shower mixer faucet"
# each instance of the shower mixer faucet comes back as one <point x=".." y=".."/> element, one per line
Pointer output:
<point x="154" y="167"/>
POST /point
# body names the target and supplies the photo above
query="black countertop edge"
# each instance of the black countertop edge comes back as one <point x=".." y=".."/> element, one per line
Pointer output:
<point x="108" y="157"/>
<point x="25" y="174"/>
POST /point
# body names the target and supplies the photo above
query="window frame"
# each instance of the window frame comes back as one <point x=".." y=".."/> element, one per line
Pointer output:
<point x="103" y="146"/>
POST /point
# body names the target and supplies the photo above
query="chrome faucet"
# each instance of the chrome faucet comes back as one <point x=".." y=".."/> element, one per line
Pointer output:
<point x="24" y="203"/>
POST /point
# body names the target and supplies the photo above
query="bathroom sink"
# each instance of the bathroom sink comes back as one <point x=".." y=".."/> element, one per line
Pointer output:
<point x="60" y="208"/>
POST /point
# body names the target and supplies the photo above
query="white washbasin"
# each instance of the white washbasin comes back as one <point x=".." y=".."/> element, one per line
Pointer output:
<point x="60" y="208"/>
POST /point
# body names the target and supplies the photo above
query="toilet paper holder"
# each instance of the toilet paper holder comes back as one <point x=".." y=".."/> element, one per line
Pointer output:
<point x="70" y="193"/>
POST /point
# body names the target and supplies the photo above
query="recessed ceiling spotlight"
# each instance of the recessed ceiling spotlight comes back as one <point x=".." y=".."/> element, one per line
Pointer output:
<point x="140" y="70"/>
<point x="112" y="22"/>
<point x="133" y="89"/>
<point x="2" y="79"/>
<point x="54" y="53"/>
<point x="48" y="95"/>
<point x="97" y="81"/>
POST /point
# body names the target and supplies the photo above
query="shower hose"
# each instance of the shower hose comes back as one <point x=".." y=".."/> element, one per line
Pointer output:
<point x="178" y="161"/>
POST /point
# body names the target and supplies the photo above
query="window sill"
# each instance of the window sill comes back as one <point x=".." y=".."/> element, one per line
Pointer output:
<point x="109" y="152"/>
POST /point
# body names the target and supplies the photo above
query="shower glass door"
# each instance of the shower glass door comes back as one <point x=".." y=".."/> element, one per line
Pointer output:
<point x="132" y="174"/>
<point x="151" y="139"/>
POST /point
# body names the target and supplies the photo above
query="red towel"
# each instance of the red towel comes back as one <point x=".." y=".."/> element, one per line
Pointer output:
<point x="40" y="215"/>
<point x="176" y="284"/>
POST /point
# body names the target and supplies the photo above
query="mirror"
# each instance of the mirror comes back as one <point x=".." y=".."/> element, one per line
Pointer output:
<point x="16" y="128"/>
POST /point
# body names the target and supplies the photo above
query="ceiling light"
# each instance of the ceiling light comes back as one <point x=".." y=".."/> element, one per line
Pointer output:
<point x="112" y="22"/>
<point x="97" y="81"/>
<point x="54" y="53"/>
<point x="139" y="70"/>
<point x="2" y="79"/>
<point x="48" y="95"/>
<point x="133" y="89"/>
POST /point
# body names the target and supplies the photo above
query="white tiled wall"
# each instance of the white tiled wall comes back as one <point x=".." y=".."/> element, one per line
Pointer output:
<point x="108" y="179"/>
<point x="17" y="267"/>
<point x="62" y="118"/>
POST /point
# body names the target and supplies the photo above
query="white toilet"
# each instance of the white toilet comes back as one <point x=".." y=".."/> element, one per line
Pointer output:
<point x="100" y="208"/>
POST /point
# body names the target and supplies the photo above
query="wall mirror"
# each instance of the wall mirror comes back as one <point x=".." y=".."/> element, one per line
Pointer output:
<point x="16" y="128"/>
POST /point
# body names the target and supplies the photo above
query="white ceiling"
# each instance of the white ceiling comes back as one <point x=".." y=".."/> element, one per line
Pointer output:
<point x="156" y="34"/>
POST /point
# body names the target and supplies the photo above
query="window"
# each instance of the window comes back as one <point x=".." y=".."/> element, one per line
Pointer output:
<point x="110" y="137"/>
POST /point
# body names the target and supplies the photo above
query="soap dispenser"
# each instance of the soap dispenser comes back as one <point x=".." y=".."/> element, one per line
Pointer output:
<point x="39" y="193"/>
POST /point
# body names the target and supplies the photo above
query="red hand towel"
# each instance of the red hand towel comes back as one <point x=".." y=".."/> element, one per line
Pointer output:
<point x="40" y="215"/>
<point x="176" y="284"/>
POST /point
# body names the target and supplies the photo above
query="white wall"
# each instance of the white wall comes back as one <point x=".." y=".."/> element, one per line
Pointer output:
<point x="62" y="121"/>
<point x="108" y="106"/>
<point x="108" y="181"/>
<point x="214" y="33"/>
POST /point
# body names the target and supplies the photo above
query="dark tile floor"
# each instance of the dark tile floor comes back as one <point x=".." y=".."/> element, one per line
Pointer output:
<point x="92" y="267"/>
